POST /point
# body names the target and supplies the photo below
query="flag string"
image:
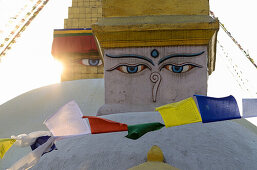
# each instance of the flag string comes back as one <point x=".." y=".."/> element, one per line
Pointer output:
<point x="247" y="55"/>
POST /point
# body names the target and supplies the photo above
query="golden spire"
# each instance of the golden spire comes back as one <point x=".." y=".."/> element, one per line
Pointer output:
<point x="155" y="160"/>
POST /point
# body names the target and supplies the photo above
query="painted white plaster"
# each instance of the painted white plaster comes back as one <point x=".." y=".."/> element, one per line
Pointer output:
<point x="134" y="92"/>
<point x="27" y="112"/>
<point x="220" y="145"/>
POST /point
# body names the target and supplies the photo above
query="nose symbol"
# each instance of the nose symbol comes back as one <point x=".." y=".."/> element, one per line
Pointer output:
<point x="156" y="79"/>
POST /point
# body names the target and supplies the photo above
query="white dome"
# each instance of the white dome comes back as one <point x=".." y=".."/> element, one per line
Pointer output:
<point x="219" y="145"/>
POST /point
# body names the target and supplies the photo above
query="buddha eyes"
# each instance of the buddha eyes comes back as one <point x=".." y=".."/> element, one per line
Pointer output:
<point x="175" y="68"/>
<point x="91" y="62"/>
<point x="129" y="69"/>
<point x="179" y="68"/>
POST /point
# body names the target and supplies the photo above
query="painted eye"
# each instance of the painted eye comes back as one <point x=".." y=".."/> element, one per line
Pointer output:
<point x="129" y="69"/>
<point x="180" y="68"/>
<point x="91" y="62"/>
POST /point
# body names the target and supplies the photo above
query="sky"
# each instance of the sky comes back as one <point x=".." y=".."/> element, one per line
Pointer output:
<point x="239" y="18"/>
<point x="29" y="64"/>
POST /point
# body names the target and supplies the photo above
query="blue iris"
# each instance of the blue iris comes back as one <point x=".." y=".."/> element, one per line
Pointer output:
<point x="132" y="69"/>
<point x="93" y="62"/>
<point x="177" y="69"/>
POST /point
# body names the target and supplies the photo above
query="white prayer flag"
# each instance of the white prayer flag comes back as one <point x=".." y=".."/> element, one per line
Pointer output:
<point x="24" y="140"/>
<point x="67" y="122"/>
<point x="249" y="108"/>
<point x="33" y="157"/>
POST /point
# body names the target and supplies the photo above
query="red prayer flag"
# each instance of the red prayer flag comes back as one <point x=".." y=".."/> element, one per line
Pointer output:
<point x="101" y="125"/>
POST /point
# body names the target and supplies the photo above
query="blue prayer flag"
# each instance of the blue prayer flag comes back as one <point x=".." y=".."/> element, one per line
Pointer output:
<point x="249" y="108"/>
<point x="40" y="141"/>
<point x="217" y="109"/>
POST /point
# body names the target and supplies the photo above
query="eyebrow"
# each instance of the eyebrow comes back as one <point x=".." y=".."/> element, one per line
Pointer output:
<point x="179" y="55"/>
<point x="131" y="56"/>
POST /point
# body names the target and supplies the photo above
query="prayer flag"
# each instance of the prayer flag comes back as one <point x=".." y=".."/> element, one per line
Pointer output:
<point x="180" y="113"/>
<point x="217" y="109"/>
<point x="33" y="157"/>
<point x="24" y="140"/>
<point x="101" y="125"/>
<point x="5" y="145"/>
<point x="249" y="108"/>
<point x="136" y="131"/>
<point x="40" y="141"/>
<point x="67" y="121"/>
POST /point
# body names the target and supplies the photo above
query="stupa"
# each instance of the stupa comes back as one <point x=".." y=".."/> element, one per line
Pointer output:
<point x="154" y="52"/>
<point x="74" y="46"/>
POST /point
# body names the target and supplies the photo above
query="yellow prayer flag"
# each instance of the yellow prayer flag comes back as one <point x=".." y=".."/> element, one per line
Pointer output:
<point x="180" y="113"/>
<point x="5" y="145"/>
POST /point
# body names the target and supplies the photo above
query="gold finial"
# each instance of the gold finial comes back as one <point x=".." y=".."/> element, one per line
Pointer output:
<point x="155" y="160"/>
<point x="155" y="154"/>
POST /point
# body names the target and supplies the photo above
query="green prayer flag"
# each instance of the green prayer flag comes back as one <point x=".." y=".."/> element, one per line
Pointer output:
<point x="136" y="131"/>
